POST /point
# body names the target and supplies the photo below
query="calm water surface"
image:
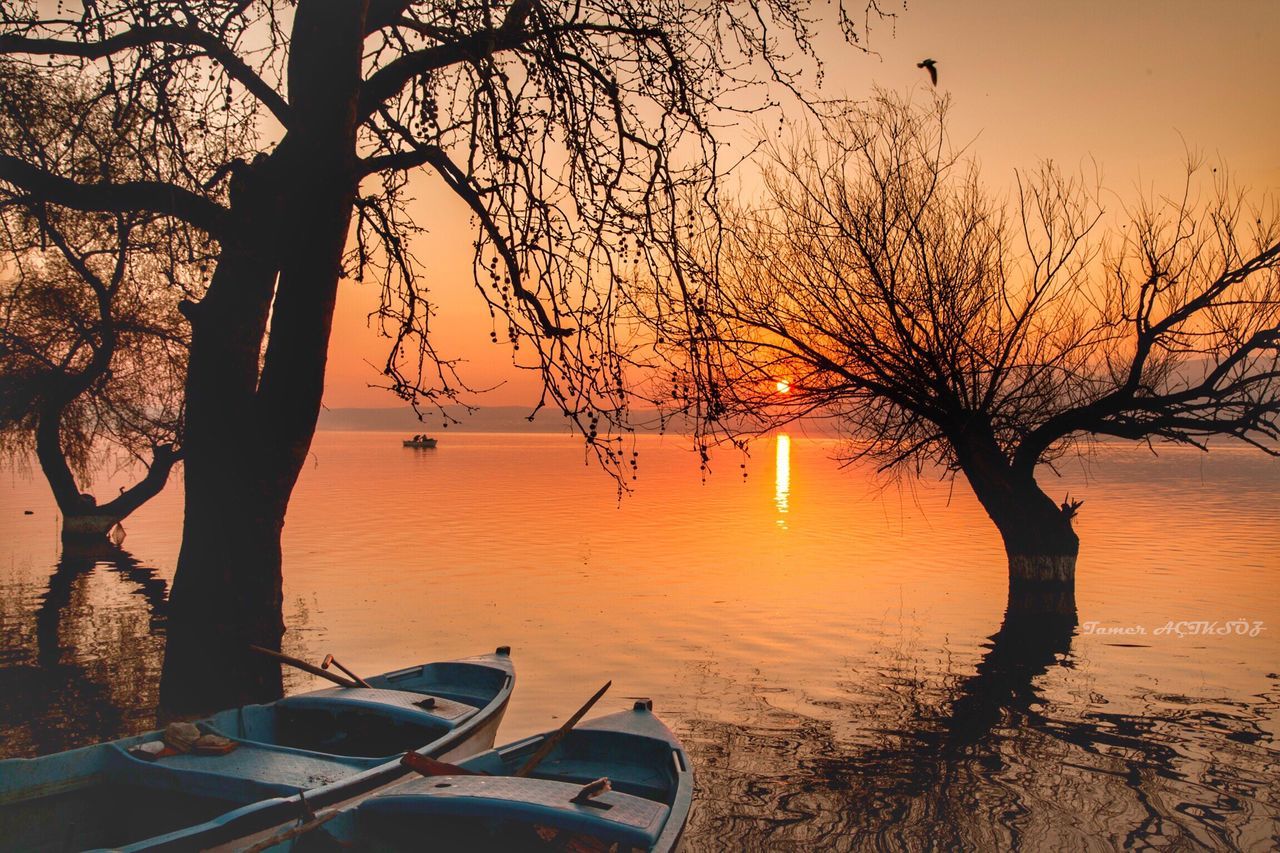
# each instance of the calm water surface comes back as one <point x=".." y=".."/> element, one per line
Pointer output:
<point x="834" y="654"/>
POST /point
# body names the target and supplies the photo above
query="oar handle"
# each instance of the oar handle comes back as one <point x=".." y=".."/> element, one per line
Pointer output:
<point x="304" y="666"/>
<point x="330" y="659"/>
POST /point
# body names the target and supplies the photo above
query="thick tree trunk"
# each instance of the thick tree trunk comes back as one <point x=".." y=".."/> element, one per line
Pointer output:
<point x="251" y="414"/>
<point x="1038" y="537"/>
<point x="226" y="596"/>
<point x="226" y="592"/>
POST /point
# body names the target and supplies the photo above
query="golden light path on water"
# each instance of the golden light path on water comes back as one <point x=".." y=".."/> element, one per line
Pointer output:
<point x="782" y="476"/>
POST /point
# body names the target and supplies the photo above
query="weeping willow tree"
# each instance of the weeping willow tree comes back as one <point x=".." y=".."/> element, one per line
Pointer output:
<point x="92" y="348"/>
<point x="92" y="362"/>
<point x="880" y="284"/>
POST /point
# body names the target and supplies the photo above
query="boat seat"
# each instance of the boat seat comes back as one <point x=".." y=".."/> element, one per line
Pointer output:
<point x="638" y="779"/>
<point x="611" y="816"/>
<point x="393" y="703"/>
<point x="282" y="770"/>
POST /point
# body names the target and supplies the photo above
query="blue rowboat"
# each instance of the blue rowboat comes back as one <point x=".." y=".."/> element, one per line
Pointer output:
<point x="645" y="806"/>
<point x="331" y="744"/>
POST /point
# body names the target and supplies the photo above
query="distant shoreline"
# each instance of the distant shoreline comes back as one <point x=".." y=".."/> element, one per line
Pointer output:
<point x="515" y="419"/>
<point x="403" y="419"/>
<point x="509" y="419"/>
<point x="499" y="419"/>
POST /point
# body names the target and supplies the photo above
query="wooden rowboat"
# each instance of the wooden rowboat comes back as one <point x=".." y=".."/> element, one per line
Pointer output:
<point x="331" y="744"/>
<point x="480" y="804"/>
<point x="420" y="442"/>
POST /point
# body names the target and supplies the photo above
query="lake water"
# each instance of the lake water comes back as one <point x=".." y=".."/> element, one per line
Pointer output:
<point x="833" y="652"/>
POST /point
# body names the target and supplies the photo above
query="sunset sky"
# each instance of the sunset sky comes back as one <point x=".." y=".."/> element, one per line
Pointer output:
<point x="1130" y="84"/>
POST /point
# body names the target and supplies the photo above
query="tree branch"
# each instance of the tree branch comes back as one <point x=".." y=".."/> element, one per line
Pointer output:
<point x="458" y="181"/>
<point x="154" y="196"/>
<point x="137" y="37"/>
<point x="163" y="458"/>
<point x="384" y="13"/>
<point x="391" y="78"/>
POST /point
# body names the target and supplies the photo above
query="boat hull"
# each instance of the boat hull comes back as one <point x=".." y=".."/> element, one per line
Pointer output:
<point x="489" y="808"/>
<point x="104" y="796"/>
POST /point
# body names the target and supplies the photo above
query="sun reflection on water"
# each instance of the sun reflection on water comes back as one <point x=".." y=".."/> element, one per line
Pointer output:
<point x="782" y="477"/>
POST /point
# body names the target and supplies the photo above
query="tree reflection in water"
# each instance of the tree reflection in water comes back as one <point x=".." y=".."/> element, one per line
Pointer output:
<point x="910" y="752"/>
<point x="921" y="760"/>
<point x="88" y="667"/>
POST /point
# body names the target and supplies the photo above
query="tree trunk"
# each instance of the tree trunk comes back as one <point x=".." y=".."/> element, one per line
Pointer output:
<point x="251" y="414"/>
<point x="226" y="596"/>
<point x="83" y="518"/>
<point x="1038" y="537"/>
<point x="226" y="593"/>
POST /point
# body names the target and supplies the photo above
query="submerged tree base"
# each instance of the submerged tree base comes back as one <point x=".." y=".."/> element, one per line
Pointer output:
<point x="207" y="669"/>
<point x="96" y="527"/>
<point x="1033" y="600"/>
<point x="1043" y="568"/>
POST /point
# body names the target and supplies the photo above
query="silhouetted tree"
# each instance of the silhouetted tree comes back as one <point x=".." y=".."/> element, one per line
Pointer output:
<point x="92" y="348"/>
<point x="880" y="285"/>
<point x="568" y="128"/>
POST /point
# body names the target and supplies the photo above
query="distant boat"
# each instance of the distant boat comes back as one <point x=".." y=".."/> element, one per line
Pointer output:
<point x="332" y="744"/>
<point x="480" y="804"/>
<point x="420" y="441"/>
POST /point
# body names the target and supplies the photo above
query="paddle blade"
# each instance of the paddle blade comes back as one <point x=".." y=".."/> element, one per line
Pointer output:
<point x="431" y="767"/>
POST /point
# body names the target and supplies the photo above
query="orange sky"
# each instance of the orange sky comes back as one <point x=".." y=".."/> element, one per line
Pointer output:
<point x="1129" y="83"/>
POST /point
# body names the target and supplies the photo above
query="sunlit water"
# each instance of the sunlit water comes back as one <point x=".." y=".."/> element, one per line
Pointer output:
<point x="831" y="652"/>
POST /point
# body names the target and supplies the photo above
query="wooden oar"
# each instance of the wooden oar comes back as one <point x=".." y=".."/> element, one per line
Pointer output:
<point x="330" y="659"/>
<point x="304" y="666"/>
<point x="293" y="832"/>
<point x="558" y="735"/>
<point x="431" y="767"/>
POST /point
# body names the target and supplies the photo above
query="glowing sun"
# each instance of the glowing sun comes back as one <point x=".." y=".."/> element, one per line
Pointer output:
<point x="784" y="387"/>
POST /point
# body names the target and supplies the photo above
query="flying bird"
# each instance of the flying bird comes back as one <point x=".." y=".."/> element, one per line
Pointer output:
<point x="930" y="66"/>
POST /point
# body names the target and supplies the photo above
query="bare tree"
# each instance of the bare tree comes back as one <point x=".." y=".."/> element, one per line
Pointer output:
<point x="92" y="348"/>
<point x="568" y="128"/>
<point x="90" y="363"/>
<point x="879" y="284"/>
